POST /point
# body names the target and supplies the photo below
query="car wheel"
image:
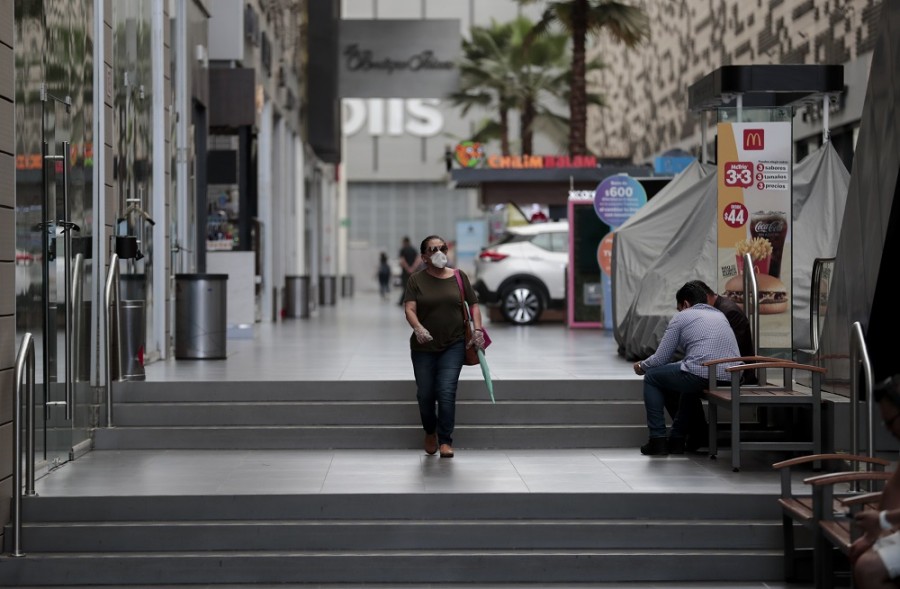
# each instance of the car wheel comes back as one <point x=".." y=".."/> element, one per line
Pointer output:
<point x="521" y="303"/>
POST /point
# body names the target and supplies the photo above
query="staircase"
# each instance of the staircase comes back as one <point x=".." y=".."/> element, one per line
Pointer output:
<point x="524" y="538"/>
<point x="379" y="414"/>
<point x="531" y="539"/>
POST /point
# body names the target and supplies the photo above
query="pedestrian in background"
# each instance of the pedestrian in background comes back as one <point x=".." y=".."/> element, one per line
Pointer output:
<point x="408" y="263"/>
<point x="384" y="276"/>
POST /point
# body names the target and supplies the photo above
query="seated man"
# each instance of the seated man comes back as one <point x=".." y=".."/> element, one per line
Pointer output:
<point x="703" y="333"/>
<point x="698" y="436"/>
<point x="876" y="554"/>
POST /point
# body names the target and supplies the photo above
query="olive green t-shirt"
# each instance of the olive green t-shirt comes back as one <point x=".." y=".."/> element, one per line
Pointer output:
<point x="439" y="308"/>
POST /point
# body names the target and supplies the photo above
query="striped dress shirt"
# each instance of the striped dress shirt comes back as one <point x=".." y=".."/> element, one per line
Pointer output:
<point x="704" y="334"/>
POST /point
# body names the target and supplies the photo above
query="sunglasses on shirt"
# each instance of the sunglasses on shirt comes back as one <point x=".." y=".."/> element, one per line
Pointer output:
<point x="436" y="248"/>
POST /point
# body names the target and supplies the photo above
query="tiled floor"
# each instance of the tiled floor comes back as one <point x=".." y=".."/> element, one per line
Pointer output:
<point x="365" y="338"/>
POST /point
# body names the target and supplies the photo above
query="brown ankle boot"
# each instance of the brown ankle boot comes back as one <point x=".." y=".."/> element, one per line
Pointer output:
<point x="431" y="444"/>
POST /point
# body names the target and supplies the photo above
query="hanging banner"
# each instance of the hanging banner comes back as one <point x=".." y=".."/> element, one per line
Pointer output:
<point x="754" y="206"/>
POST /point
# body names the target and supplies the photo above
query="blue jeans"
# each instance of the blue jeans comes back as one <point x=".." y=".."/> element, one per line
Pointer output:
<point x="437" y="374"/>
<point x="681" y="389"/>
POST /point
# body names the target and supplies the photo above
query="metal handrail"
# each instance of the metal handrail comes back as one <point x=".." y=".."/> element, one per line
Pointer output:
<point x="860" y="354"/>
<point x="815" y="299"/>
<point x="75" y="324"/>
<point x="110" y="296"/>
<point x="751" y="292"/>
<point x="24" y="374"/>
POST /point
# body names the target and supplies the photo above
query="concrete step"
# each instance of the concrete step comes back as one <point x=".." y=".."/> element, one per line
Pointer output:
<point x="662" y="506"/>
<point x="375" y="413"/>
<point x="386" y="566"/>
<point x="361" y="535"/>
<point x="387" y="390"/>
<point x="322" y="437"/>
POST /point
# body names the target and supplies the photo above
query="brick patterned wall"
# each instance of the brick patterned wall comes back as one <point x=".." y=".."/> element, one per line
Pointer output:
<point x="7" y="257"/>
<point x="646" y="88"/>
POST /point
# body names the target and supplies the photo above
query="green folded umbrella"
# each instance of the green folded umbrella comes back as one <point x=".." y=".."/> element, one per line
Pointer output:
<point x="485" y="369"/>
<point x="486" y="372"/>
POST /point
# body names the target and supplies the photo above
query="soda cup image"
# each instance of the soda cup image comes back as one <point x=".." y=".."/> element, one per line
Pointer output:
<point x="772" y="226"/>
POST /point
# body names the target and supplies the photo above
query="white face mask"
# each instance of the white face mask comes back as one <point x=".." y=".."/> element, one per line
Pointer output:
<point x="439" y="259"/>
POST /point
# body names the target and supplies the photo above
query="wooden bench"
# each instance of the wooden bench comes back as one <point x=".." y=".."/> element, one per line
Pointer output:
<point x="799" y="509"/>
<point x="834" y="516"/>
<point x="764" y="394"/>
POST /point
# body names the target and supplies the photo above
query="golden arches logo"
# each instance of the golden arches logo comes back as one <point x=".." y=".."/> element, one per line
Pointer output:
<point x="754" y="139"/>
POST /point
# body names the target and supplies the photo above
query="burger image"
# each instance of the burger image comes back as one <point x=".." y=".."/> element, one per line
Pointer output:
<point x="773" y="296"/>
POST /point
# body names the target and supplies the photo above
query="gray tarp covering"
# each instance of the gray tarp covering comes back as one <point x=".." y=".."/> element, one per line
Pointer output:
<point x="672" y="239"/>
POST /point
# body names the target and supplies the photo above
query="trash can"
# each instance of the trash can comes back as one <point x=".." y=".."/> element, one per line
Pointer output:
<point x="132" y="330"/>
<point x="133" y="287"/>
<point x="200" y="316"/>
<point x="132" y="325"/>
<point x="296" y="297"/>
<point x="347" y="286"/>
<point x="327" y="288"/>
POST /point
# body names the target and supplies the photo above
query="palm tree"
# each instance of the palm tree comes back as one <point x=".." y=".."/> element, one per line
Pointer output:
<point x="580" y="18"/>
<point x="503" y="68"/>
<point x="485" y="80"/>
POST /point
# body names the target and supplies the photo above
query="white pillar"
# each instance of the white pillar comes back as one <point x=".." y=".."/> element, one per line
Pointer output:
<point x="264" y="192"/>
<point x="300" y="200"/>
<point x="343" y="222"/>
<point x="183" y="114"/>
<point x="98" y="269"/>
<point x="156" y="334"/>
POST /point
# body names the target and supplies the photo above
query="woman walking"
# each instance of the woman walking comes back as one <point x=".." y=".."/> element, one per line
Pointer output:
<point x="433" y="306"/>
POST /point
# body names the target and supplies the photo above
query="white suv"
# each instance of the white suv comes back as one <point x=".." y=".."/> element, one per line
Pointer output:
<point x="524" y="270"/>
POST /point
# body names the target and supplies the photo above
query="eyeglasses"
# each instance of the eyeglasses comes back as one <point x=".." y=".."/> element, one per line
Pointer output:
<point x="436" y="248"/>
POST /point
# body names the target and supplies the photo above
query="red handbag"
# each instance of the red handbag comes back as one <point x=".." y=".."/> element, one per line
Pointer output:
<point x="471" y="358"/>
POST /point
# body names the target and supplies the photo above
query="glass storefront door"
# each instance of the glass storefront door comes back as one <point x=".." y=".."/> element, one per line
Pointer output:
<point x="62" y="277"/>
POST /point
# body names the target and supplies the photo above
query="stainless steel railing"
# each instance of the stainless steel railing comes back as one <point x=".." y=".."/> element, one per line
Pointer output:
<point x="859" y="354"/>
<point x="751" y="293"/>
<point x="24" y="375"/>
<point x="111" y="302"/>
<point x="820" y="266"/>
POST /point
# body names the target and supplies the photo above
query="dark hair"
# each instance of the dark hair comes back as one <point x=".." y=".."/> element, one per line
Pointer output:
<point x="889" y="388"/>
<point x="690" y="293"/>
<point x="702" y="285"/>
<point x="427" y="239"/>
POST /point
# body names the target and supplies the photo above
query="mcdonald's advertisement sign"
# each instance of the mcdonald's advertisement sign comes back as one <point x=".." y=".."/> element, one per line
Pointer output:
<point x="754" y="216"/>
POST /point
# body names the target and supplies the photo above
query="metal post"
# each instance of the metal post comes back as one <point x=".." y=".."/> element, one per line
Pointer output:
<point x="859" y="353"/>
<point x="825" y="107"/>
<point x="703" y="137"/>
<point x="110" y="295"/>
<point x="740" y="108"/>
<point x="24" y="373"/>
<point x="751" y="292"/>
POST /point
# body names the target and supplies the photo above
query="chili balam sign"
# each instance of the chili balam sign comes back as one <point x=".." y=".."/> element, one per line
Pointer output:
<point x="471" y="154"/>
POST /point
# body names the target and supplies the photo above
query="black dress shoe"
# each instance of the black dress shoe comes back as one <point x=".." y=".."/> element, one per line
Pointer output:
<point x="694" y="441"/>
<point x="655" y="447"/>
<point x="676" y="445"/>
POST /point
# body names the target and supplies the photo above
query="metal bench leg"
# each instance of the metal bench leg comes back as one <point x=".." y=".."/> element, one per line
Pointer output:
<point x="790" y="553"/>
<point x="713" y="419"/>
<point x="735" y="426"/>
